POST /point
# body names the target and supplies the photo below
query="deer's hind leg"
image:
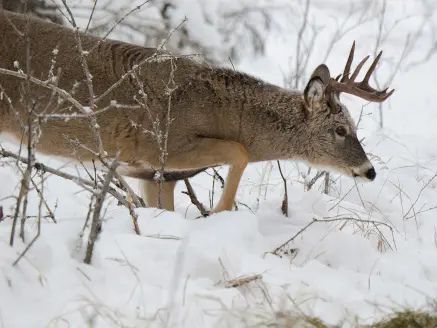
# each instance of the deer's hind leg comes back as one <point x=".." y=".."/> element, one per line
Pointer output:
<point x="150" y="192"/>
<point x="208" y="152"/>
<point x="150" y="189"/>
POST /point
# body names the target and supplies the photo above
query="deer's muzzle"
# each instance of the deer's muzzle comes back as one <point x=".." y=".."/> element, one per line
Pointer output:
<point x="366" y="171"/>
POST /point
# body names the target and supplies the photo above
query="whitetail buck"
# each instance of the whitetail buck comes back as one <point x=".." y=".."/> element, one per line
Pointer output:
<point x="219" y="116"/>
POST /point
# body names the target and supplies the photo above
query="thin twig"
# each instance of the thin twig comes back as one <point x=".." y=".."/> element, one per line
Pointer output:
<point x="38" y="222"/>
<point x="118" y="23"/>
<point x="418" y="196"/>
<point x="190" y="192"/>
<point x="327" y="180"/>
<point x="132" y="213"/>
<point x="314" y="180"/>
<point x="51" y="213"/>
<point x="284" y="206"/>
<point x="238" y="282"/>
<point x="375" y="223"/>
<point x="46" y="84"/>
<point x="91" y="16"/>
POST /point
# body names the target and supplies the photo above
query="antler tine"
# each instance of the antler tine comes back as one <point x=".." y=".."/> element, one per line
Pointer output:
<point x="367" y="93"/>
<point x="360" y="89"/>
<point x="347" y="67"/>
<point x="380" y="96"/>
<point x="372" y="68"/>
<point x="358" y="69"/>
<point x="384" y="95"/>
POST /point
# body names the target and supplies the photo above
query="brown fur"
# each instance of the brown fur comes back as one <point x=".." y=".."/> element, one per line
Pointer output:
<point x="220" y="116"/>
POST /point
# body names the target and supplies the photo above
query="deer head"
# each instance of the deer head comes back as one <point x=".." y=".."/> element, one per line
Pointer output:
<point x="336" y="144"/>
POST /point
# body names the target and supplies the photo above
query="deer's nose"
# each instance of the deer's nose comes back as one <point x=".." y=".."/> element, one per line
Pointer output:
<point x="371" y="174"/>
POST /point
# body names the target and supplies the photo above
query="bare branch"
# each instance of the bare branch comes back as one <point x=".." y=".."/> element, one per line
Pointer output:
<point x="96" y="223"/>
<point x="80" y="181"/>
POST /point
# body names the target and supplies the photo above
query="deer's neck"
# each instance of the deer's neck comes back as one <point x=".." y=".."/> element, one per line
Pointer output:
<point x="272" y="122"/>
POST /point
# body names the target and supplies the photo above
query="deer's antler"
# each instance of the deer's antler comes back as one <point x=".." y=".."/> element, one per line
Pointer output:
<point x="360" y="89"/>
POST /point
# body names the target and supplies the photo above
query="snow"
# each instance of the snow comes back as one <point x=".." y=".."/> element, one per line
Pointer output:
<point x="174" y="273"/>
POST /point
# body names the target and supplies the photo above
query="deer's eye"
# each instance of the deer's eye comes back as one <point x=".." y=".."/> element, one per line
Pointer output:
<point x="341" y="131"/>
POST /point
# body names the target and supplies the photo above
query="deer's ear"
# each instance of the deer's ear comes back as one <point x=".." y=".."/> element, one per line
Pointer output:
<point x="314" y="92"/>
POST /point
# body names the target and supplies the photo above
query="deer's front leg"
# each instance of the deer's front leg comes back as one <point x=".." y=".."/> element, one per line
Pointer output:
<point x="211" y="152"/>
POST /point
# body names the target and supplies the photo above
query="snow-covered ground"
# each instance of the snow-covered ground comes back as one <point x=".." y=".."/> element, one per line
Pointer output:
<point x="174" y="274"/>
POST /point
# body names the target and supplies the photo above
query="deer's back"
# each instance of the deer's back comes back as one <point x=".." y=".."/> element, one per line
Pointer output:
<point x="108" y="62"/>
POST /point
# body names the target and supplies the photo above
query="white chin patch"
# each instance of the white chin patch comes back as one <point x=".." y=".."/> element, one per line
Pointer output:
<point x="358" y="173"/>
<point x="332" y="169"/>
